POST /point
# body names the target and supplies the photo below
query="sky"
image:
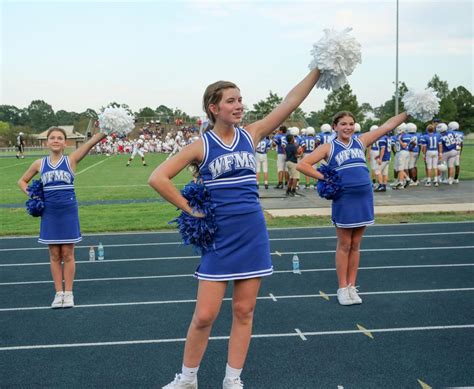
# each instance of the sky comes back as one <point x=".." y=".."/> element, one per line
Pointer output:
<point x="85" y="54"/>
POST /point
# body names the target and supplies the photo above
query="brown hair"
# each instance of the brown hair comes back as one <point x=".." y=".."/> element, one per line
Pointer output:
<point x="338" y="116"/>
<point x="52" y="129"/>
<point x="430" y="128"/>
<point x="213" y="95"/>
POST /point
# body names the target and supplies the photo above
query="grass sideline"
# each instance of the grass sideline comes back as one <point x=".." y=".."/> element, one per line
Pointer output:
<point x="101" y="178"/>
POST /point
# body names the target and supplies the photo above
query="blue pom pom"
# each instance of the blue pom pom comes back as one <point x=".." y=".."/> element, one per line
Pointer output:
<point x="197" y="231"/>
<point x="330" y="188"/>
<point x="34" y="207"/>
<point x="35" y="204"/>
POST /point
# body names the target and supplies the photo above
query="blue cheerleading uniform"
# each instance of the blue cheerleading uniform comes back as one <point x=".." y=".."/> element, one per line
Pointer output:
<point x="355" y="206"/>
<point x="60" y="218"/>
<point x="241" y="246"/>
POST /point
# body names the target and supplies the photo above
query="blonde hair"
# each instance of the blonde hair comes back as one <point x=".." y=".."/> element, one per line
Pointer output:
<point x="213" y="95"/>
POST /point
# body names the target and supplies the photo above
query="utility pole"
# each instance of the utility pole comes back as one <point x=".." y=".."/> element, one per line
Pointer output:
<point x="396" y="68"/>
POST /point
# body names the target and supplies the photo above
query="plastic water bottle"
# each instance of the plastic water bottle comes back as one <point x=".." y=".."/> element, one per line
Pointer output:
<point x="296" y="264"/>
<point x="100" y="252"/>
<point x="91" y="254"/>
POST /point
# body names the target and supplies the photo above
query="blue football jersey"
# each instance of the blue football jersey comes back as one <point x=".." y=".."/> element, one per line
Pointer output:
<point x="263" y="146"/>
<point x="280" y="142"/>
<point x="308" y="143"/>
<point x="448" y="140"/>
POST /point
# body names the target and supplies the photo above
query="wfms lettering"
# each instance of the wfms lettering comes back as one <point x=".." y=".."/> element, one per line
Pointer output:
<point x="344" y="155"/>
<point x="225" y="163"/>
<point x="56" y="175"/>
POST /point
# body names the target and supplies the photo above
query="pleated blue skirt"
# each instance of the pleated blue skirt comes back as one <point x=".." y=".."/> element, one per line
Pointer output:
<point x="241" y="249"/>
<point x="60" y="223"/>
<point x="354" y="208"/>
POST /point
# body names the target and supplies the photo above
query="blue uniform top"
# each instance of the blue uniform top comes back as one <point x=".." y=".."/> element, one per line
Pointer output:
<point x="297" y="139"/>
<point x="280" y="141"/>
<point x="263" y="146"/>
<point x="349" y="161"/>
<point x="459" y="135"/>
<point x="405" y="138"/>
<point x="58" y="180"/>
<point x="229" y="173"/>
<point x="431" y="140"/>
<point x="385" y="142"/>
<point x="327" y="137"/>
<point x="448" y="140"/>
<point x="414" y="145"/>
<point x="394" y="143"/>
<point x="309" y="144"/>
<point x="375" y="146"/>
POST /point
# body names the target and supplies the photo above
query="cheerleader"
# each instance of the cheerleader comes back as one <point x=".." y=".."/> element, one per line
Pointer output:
<point x="60" y="220"/>
<point x="225" y="159"/>
<point x="354" y="209"/>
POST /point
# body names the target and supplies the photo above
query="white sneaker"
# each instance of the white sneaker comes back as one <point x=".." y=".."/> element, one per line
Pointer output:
<point x="232" y="383"/>
<point x="58" y="300"/>
<point x="428" y="183"/>
<point x="353" y="294"/>
<point x="344" y="297"/>
<point x="413" y="183"/>
<point x="450" y="181"/>
<point x="456" y="181"/>
<point x="179" y="383"/>
<point x="68" y="300"/>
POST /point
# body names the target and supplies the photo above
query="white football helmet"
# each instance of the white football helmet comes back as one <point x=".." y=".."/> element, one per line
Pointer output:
<point x="453" y="126"/>
<point x="411" y="128"/>
<point x="294" y="131"/>
<point x="310" y="131"/>
<point x="142" y="136"/>
<point x="326" y="128"/>
<point x="373" y="128"/>
<point x="442" y="166"/>
<point x="303" y="131"/>
<point x="442" y="127"/>
<point x="356" y="127"/>
<point x="401" y="128"/>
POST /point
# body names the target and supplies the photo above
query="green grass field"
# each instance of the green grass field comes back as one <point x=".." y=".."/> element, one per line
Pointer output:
<point x="100" y="178"/>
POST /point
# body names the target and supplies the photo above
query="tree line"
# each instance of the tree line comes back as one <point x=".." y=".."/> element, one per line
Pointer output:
<point x="456" y="104"/>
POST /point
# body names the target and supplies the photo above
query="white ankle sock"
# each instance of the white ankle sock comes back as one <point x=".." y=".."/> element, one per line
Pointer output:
<point x="189" y="373"/>
<point x="232" y="373"/>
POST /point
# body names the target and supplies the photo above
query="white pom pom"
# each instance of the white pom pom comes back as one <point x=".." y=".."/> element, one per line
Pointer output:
<point x="421" y="105"/>
<point x="336" y="56"/>
<point x="116" y="120"/>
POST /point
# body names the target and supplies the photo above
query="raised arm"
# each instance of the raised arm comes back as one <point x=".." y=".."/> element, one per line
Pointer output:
<point x="29" y="174"/>
<point x="371" y="136"/>
<point x="77" y="155"/>
<point x="160" y="179"/>
<point x="293" y="99"/>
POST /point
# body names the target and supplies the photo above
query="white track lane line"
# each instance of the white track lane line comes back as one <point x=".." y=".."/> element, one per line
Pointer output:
<point x="254" y="336"/>
<point x="378" y="226"/>
<point x="179" y="243"/>
<point x="273" y="254"/>
<point x="269" y="297"/>
<point x="316" y="270"/>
